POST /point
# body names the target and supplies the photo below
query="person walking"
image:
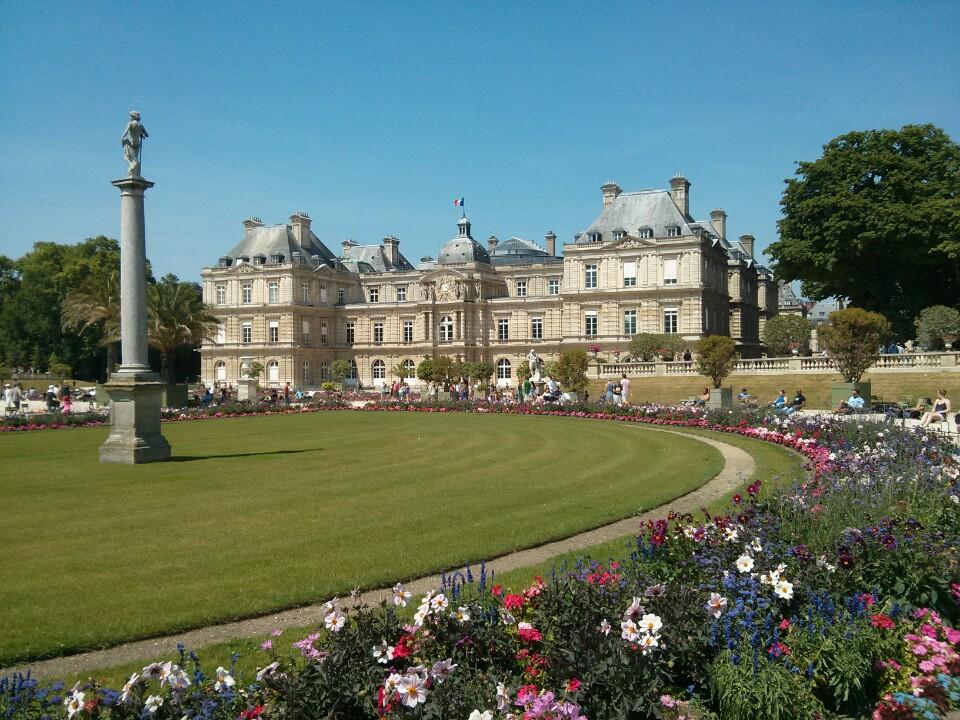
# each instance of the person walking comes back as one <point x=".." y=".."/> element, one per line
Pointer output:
<point x="625" y="389"/>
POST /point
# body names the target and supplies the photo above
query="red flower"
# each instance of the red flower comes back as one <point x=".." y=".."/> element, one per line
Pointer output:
<point x="514" y="602"/>
<point x="497" y="590"/>
<point x="882" y="621"/>
<point x="784" y="625"/>
<point x="573" y="684"/>
<point x="254" y="712"/>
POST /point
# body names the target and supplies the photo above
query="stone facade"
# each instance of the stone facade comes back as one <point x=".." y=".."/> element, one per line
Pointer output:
<point x="644" y="265"/>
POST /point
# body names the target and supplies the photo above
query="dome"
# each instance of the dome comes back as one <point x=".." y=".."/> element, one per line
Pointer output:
<point x="463" y="250"/>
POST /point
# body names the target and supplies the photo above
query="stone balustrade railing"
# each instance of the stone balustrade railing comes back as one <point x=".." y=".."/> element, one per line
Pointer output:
<point x="915" y="362"/>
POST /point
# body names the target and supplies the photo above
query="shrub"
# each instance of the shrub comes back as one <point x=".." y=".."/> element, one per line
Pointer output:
<point x="571" y="370"/>
<point x="937" y="326"/>
<point x="853" y="338"/>
<point x="652" y="346"/>
<point x="782" y="333"/>
<point x="716" y="356"/>
<point x="339" y="371"/>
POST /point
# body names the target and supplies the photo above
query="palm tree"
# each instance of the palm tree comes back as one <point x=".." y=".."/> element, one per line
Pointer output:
<point x="177" y="317"/>
<point x="96" y="303"/>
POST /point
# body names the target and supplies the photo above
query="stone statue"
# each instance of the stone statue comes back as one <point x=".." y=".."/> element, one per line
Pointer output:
<point x="132" y="142"/>
<point x="533" y="363"/>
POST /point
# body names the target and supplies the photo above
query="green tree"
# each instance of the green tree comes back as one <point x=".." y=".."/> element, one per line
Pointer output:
<point x="60" y="370"/>
<point x="176" y="317"/>
<point x="852" y="338"/>
<point x="937" y="326"/>
<point x="523" y="371"/>
<point x="876" y="221"/>
<point x="571" y="370"/>
<point x="482" y="371"/>
<point x="444" y="369"/>
<point x="95" y="305"/>
<point x="716" y="357"/>
<point x="653" y="346"/>
<point x="340" y="371"/>
<point x="783" y="333"/>
<point x="425" y="370"/>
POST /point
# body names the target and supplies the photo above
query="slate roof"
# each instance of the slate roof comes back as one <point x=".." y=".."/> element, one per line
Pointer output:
<point x="272" y="239"/>
<point x="631" y="211"/>
<point x="371" y="258"/>
<point x="786" y="297"/>
<point x="517" y="246"/>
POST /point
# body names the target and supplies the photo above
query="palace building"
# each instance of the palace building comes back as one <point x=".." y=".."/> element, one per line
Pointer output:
<point x="645" y="265"/>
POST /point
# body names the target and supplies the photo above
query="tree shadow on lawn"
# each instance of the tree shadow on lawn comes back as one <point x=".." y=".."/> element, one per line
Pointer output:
<point x="191" y="458"/>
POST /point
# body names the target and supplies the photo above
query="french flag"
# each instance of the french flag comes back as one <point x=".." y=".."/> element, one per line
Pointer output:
<point x="458" y="202"/>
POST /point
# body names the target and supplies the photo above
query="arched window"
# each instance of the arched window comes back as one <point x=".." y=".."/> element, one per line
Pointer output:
<point x="273" y="371"/>
<point x="446" y="329"/>
<point x="306" y="372"/>
<point x="410" y="369"/>
<point x="353" y="369"/>
<point x="503" y="369"/>
<point x="221" y="371"/>
<point x="379" y="370"/>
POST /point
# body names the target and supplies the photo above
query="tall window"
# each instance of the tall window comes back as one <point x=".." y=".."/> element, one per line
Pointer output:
<point x="590" y="323"/>
<point x="221" y="294"/>
<point x="378" y="332"/>
<point x="273" y="371"/>
<point x="221" y="334"/>
<point x="374" y="294"/>
<point x="246" y="333"/>
<point x="630" y="274"/>
<point x="503" y="369"/>
<point x="629" y="322"/>
<point x="446" y="329"/>
<point x="590" y="276"/>
<point x="503" y="329"/>
<point x="341" y="296"/>
<point x="273" y="292"/>
<point x="408" y="331"/>
<point x="536" y="328"/>
<point x="305" y="292"/>
<point x="379" y="370"/>
<point x="306" y="372"/>
<point x="353" y="369"/>
<point x="323" y="333"/>
<point x="221" y="371"/>
<point x="670" y="321"/>
<point x="246" y="293"/>
<point x="350" y="327"/>
<point x="274" y="331"/>
<point x="323" y="293"/>
<point x="669" y="271"/>
<point x="305" y="327"/>
<point x="554" y="287"/>
<point x="409" y="369"/>
<point x="521" y="288"/>
<point x="324" y="370"/>
<point x="401" y="293"/>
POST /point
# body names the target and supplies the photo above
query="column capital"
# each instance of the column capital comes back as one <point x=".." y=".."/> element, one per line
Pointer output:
<point x="135" y="185"/>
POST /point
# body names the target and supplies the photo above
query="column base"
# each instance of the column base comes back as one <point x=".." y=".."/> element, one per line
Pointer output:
<point x="135" y="437"/>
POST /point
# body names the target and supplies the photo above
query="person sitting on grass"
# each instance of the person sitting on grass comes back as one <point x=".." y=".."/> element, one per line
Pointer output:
<point x="940" y="409"/>
<point x="799" y="400"/>
<point x="852" y="404"/>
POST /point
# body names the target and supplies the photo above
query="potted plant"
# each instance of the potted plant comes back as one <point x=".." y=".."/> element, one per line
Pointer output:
<point x="594" y="349"/>
<point x="852" y="339"/>
<point x="716" y="356"/>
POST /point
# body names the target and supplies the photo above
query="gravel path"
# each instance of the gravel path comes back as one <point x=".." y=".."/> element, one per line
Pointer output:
<point x="738" y="466"/>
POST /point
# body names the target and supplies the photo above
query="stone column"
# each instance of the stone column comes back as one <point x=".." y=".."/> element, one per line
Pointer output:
<point x="135" y="392"/>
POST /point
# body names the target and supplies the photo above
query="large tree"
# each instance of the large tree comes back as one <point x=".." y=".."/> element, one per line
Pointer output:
<point x="177" y="317"/>
<point x="95" y="305"/>
<point x="876" y="221"/>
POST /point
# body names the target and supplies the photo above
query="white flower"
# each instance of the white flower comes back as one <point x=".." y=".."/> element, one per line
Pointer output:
<point x="477" y="715"/>
<point x="439" y="602"/>
<point x="152" y="704"/>
<point x="954" y="499"/>
<point x="268" y="670"/>
<point x="412" y="690"/>
<point x="420" y="615"/>
<point x="628" y="631"/>
<point x="178" y="680"/>
<point x="461" y="614"/>
<point x="126" y="694"/>
<point x="689" y="531"/>
<point x="331" y="604"/>
<point x="383" y="653"/>
<point x="730" y="534"/>
<point x="224" y="680"/>
<point x="442" y="670"/>
<point x="716" y="604"/>
<point x="400" y="595"/>
<point x="73" y="702"/>
<point x="744" y="563"/>
<point x="152" y="671"/>
<point x="605" y="627"/>
<point x="650" y="623"/>
<point x="770" y="578"/>
<point x="503" y="697"/>
<point x="784" y="590"/>
<point x="391" y="683"/>
<point x="635" y="609"/>
<point x="648" y="642"/>
<point x="334" y="621"/>
<point x="757" y="547"/>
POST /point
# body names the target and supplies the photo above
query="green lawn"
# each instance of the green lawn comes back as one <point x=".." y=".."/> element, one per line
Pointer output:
<point x="259" y="514"/>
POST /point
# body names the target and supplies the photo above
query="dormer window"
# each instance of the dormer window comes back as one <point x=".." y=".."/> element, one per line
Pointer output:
<point x="596" y="237"/>
<point x="673" y="231"/>
<point x="259" y="259"/>
<point x="618" y="235"/>
<point x="645" y="233"/>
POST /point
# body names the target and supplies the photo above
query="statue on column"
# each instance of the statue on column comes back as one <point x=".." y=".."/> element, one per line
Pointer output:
<point x="132" y="142"/>
<point x="533" y="363"/>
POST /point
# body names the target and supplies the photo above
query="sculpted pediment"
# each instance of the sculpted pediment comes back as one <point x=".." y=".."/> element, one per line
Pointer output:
<point x="444" y="286"/>
<point x="246" y="268"/>
<point x="629" y="241"/>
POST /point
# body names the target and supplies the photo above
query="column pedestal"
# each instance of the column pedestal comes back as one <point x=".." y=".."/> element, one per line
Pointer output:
<point x="135" y="400"/>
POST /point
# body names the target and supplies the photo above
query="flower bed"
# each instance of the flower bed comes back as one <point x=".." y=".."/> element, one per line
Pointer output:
<point x="836" y="597"/>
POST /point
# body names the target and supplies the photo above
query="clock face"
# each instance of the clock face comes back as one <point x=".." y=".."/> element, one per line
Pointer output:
<point x="444" y="286"/>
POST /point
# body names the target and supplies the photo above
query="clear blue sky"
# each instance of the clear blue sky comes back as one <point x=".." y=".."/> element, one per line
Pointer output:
<point x="373" y="117"/>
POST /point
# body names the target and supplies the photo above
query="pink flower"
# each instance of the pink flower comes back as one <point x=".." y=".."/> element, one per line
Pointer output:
<point x="927" y="666"/>
<point x="266" y="645"/>
<point x="919" y="649"/>
<point x="667" y="701"/>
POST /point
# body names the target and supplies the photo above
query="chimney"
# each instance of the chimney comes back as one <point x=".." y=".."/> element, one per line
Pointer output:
<point x="746" y="242"/>
<point x="251" y="223"/>
<point x="718" y="218"/>
<point x="391" y="248"/>
<point x="551" y="238"/>
<point x="347" y="244"/>
<point x="680" y="189"/>
<point x="300" y="222"/>
<point x="611" y="191"/>
<point x="492" y="243"/>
